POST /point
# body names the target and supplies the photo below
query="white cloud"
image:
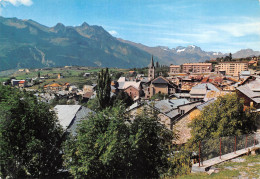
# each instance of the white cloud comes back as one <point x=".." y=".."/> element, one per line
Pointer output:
<point x="113" y="32"/>
<point x="17" y="2"/>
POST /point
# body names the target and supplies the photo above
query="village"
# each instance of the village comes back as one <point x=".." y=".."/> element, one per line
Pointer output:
<point x="129" y="89"/>
<point x="178" y="97"/>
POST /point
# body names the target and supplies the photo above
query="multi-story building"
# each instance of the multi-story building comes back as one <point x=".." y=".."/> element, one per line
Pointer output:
<point x="175" y="69"/>
<point x="196" y="67"/>
<point x="232" y="68"/>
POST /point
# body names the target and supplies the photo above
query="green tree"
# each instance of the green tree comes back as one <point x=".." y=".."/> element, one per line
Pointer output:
<point x="160" y="96"/>
<point x="225" y="117"/>
<point x="103" y="89"/>
<point x="122" y="97"/>
<point x="107" y="146"/>
<point x="100" y="148"/>
<point x="150" y="147"/>
<point x="30" y="137"/>
<point x="230" y="56"/>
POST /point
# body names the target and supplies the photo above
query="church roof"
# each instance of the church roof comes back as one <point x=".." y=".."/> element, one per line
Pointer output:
<point x="160" y="80"/>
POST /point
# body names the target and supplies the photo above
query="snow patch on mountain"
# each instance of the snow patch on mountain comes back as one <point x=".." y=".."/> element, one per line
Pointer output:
<point x="180" y="50"/>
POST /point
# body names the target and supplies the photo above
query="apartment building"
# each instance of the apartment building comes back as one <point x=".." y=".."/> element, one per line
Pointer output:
<point x="175" y="68"/>
<point x="196" y="67"/>
<point x="232" y="68"/>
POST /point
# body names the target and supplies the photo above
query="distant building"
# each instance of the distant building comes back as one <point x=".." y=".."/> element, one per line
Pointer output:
<point x="160" y="85"/>
<point x="15" y="82"/>
<point x="196" y="67"/>
<point x="252" y="62"/>
<point x="133" y="92"/>
<point x="232" y="68"/>
<point x="24" y="70"/>
<point x="60" y="76"/>
<point x="53" y="87"/>
<point x="86" y="75"/>
<point x="22" y="83"/>
<point x="175" y="69"/>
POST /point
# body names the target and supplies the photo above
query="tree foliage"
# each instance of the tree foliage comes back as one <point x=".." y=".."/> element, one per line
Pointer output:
<point x="103" y="89"/>
<point x="225" y="117"/>
<point x="122" y="97"/>
<point x="159" y="96"/>
<point x="107" y="146"/>
<point x="29" y="136"/>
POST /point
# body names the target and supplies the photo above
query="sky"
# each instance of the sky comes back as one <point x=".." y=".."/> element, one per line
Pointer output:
<point x="214" y="25"/>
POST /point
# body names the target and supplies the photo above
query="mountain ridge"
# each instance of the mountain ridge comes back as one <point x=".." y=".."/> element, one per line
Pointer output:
<point x="29" y="44"/>
<point x="188" y="54"/>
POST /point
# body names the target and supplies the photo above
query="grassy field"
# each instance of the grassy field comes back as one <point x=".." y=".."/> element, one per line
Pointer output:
<point x="249" y="168"/>
<point x="73" y="75"/>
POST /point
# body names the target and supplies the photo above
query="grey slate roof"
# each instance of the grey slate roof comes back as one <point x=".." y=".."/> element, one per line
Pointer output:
<point x="70" y="116"/>
<point x="245" y="73"/>
<point x="195" y="91"/>
<point x="167" y="106"/>
<point x="254" y="95"/>
<point x="201" y="106"/>
<point x="160" y="80"/>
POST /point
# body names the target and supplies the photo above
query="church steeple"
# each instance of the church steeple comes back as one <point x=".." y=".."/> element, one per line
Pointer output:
<point x="151" y="64"/>
<point x="151" y="71"/>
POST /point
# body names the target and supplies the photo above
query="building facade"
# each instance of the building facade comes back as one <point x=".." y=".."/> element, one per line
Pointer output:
<point x="175" y="69"/>
<point x="232" y="68"/>
<point x="160" y="85"/>
<point x="196" y="67"/>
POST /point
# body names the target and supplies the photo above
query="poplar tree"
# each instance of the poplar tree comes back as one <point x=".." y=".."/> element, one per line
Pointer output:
<point x="103" y="89"/>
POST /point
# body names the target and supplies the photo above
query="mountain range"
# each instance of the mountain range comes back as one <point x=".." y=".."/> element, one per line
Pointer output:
<point x="28" y="44"/>
<point x="191" y="53"/>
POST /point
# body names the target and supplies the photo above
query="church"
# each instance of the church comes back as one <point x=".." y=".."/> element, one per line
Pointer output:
<point x="159" y="84"/>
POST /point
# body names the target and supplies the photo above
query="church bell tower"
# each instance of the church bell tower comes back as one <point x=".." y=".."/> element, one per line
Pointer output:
<point x="151" y="69"/>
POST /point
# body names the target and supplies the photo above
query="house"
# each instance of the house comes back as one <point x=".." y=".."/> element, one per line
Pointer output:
<point x="60" y="76"/>
<point x="86" y="75"/>
<point x="70" y="116"/>
<point x="132" y="88"/>
<point x="133" y="92"/>
<point x="53" y="87"/>
<point x="132" y="73"/>
<point x="15" y="82"/>
<point x="168" y="110"/>
<point x="160" y="85"/>
<point x="86" y="96"/>
<point x="252" y="63"/>
<point x="22" y="83"/>
<point x="181" y="124"/>
<point x="88" y="88"/>
<point x="199" y="91"/>
<point x="250" y="92"/>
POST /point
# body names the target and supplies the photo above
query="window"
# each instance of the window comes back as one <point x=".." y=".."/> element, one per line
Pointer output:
<point x="182" y="112"/>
